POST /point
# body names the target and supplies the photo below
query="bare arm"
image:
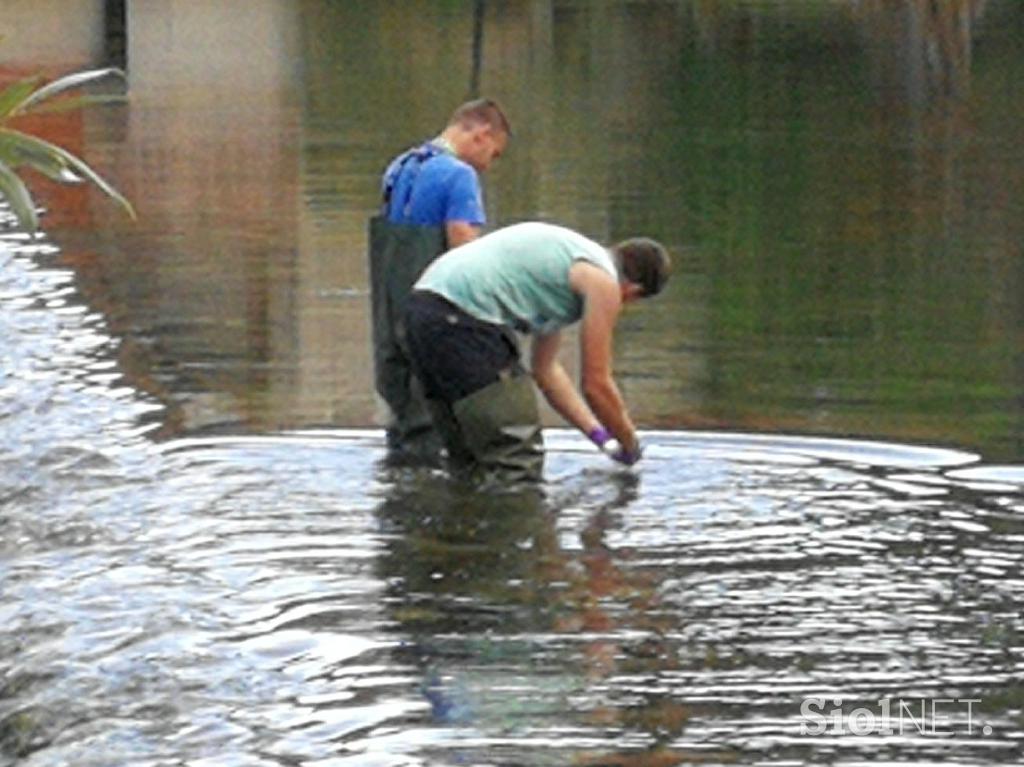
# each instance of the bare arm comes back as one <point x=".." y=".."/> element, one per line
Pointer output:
<point x="556" y="385"/>
<point x="603" y="301"/>
<point x="460" y="232"/>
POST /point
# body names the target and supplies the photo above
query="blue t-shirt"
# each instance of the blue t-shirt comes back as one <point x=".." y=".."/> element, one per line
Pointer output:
<point x="430" y="186"/>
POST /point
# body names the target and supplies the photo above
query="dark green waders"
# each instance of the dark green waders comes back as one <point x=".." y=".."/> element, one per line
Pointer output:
<point x="498" y="429"/>
<point x="398" y="255"/>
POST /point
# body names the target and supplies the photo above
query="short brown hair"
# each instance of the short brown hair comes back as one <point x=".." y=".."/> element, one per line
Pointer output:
<point x="644" y="262"/>
<point x="479" y="111"/>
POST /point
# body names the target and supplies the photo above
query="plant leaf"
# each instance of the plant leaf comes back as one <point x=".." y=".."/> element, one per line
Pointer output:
<point x="51" y="166"/>
<point x="67" y="83"/>
<point x="15" y="94"/>
<point x="77" y="166"/>
<point x="73" y="103"/>
<point x="16" y="193"/>
<point x="16" y="153"/>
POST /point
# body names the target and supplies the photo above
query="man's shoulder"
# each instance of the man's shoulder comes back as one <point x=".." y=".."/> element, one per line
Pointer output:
<point x="455" y="182"/>
<point x="448" y="166"/>
<point x="421" y="156"/>
<point x="555" y="234"/>
<point x="436" y="187"/>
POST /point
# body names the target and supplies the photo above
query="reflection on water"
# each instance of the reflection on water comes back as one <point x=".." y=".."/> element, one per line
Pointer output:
<point x="288" y="599"/>
<point x="841" y="182"/>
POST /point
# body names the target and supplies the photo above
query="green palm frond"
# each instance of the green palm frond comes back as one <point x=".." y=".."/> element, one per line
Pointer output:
<point x="15" y="94"/>
<point x="18" y="149"/>
<point x="16" y="153"/>
<point x="16" y="193"/>
<point x="63" y="85"/>
<point x="44" y="156"/>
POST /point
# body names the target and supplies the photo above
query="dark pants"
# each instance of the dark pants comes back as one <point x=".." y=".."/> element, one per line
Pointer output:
<point x="481" y="398"/>
<point x="454" y="353"/>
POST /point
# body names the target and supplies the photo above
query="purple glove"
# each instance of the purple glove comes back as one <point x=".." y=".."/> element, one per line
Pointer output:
<point x="628" y="457"/>
<point x="599" y="436"/>
<point x="603" y="438"/>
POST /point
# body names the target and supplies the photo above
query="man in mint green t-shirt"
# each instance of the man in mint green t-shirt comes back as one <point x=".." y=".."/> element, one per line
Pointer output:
<point x="533" y="278"/>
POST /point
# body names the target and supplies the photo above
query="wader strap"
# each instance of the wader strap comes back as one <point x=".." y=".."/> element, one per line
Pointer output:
<point x="419" y="155"/>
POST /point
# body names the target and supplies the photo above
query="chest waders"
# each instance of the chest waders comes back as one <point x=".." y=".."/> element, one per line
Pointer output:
<point x="482" y="399"/>
<point x="496" y="427"/>
<point x="499" y="426"/>
<point x="398" y="255"/>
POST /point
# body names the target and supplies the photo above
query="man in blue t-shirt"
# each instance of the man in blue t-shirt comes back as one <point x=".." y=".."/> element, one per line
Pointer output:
<point x="436" y="184"/>
<point x="431" y="201"/>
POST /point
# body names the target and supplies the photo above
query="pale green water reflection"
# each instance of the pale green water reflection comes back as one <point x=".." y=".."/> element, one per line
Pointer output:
<point x="841" y="183"/>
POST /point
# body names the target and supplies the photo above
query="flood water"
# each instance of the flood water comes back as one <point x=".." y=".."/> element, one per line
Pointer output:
<point x="205" y="561"/>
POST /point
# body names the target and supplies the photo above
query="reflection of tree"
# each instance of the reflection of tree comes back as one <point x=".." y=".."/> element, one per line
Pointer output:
<point x="777" y="140"/>
<point x="858" y="210"/>
<point x="115" y="37"/>
<point x="923" y="45"/>
<point x="479" y="9"/>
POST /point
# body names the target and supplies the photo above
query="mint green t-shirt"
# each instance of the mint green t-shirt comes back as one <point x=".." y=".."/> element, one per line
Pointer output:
<point x="517" y="276"/>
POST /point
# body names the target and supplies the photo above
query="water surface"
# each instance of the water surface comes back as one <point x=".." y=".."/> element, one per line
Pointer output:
<point x="288" y="599"/>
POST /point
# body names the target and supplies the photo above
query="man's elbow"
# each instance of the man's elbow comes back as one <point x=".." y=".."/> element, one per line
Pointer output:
<point x="543" y="377"/>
